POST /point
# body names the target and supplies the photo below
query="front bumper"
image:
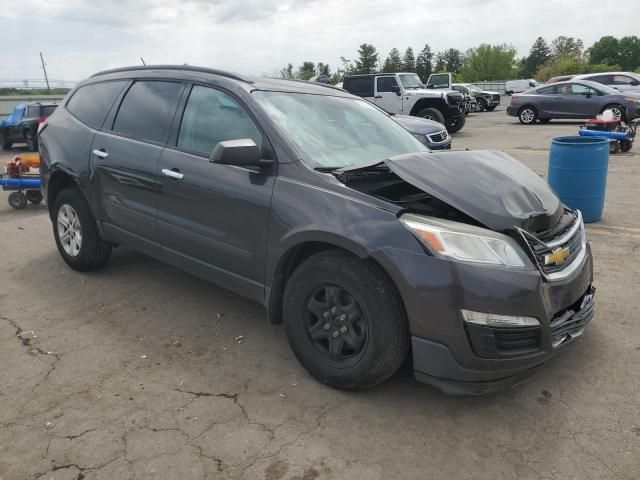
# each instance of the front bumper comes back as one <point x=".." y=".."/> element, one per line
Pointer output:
<point x="512" y="111"/>
<point x="445" y="352"/>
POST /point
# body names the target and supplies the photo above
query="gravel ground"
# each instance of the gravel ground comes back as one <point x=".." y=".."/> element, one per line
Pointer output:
<point x="137" y="371"/>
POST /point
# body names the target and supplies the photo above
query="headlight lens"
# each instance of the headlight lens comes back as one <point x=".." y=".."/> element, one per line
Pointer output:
<point x="632" y="100"/>
<point x="466" y="243"/>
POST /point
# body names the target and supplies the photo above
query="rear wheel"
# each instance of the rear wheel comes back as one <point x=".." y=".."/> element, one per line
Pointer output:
<point x="30" y="140"/>
<point x="431" y="114"/>
<point x="527" y="115"/>
<point x="614" y="147"/>
<point x="345" y="321"/>
<point x="625" y="145"/>
<point x="76" y="232"/>
<point x="34" y="196"/>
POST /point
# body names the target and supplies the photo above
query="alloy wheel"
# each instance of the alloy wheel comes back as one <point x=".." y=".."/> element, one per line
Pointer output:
<point x="527" y="115"/>
<point x="69" y="230"/>
<point x="336" y="324"/>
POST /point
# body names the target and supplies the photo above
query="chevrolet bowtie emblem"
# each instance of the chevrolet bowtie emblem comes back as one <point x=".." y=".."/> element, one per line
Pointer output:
<point x="557" y="256"/>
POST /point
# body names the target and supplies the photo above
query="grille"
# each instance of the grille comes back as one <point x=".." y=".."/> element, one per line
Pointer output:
<point x="454" y="99"/>
<point x="571" y="237"/>
<point x="438" y="137"/>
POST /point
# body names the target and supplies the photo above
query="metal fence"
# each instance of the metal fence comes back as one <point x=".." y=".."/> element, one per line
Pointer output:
<point x="493" y="85"/>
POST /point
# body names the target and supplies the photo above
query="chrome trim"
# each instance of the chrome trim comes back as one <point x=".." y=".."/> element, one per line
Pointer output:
<point x="441" y="133"/>
<point x="569" y="269"/>
<point x="565" y="238"/>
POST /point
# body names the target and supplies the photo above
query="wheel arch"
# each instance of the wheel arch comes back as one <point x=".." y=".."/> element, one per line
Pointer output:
<point x="58" y="181"/>
<point x="437" y="103"/>
<point x="300" y="251"/>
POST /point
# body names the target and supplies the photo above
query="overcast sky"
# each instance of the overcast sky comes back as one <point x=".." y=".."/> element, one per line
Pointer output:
<point x="80" y="37"/>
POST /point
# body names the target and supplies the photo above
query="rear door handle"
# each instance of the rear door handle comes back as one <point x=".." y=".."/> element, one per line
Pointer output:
<point x="378" y="96"/>
<point x="100" y="153"/>
<point x="172" y="174"/>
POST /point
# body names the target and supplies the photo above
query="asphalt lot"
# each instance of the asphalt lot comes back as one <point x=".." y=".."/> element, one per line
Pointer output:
<point x="137" y="371"/>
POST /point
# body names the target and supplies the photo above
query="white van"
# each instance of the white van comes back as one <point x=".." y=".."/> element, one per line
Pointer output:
<point x="519" y="86"/>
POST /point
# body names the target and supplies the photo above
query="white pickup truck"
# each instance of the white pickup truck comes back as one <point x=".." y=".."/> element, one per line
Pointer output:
<point x="404" y="93"/>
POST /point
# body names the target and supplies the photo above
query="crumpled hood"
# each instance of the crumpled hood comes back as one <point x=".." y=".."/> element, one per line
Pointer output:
<point x="489" y="186"/>
<point x="417" y="125"/>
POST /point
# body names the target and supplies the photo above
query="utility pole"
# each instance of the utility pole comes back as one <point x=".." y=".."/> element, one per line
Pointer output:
<point x="44" y="69"/>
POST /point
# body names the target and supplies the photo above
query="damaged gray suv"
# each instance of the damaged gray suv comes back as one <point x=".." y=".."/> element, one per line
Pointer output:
<point x="320" y="207"/>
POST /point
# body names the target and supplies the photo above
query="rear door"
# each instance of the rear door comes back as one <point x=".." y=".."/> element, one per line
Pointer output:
<point x="626" y="83"/>
<point x="124" y="159"/>
<point x="387" y="94"/>
<point x="213" y="218"/>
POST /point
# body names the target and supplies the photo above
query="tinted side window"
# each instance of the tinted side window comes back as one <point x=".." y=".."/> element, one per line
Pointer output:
<point x="604" y="79"/>
<point x="91" y="103"/>
<point x="622" y="80"/>
<point x="212" y="116"/>
<point x="147" y="110"/>
<point x="361" y="86"/>
<point x="385" y="84"/>
<point x="547" y="90"/>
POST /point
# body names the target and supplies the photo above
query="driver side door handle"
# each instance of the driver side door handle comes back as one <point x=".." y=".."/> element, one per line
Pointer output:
<point x="378" y="96"/>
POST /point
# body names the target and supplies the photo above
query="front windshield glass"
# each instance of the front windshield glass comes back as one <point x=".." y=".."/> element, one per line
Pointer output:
<point x="333" y="132"/>
<point x="473" y="88"/>
<point x="410" y="80"/>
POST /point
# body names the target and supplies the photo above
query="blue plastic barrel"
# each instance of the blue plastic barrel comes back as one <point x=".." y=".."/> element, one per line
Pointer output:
<point x="20" y="182"/>
<point x="578" y="173"/>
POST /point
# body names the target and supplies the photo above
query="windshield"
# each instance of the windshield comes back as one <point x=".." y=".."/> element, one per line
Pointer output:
<point x="333" y="132"/>
<point x="473" y="88"/>
<point x="410" y="80"/>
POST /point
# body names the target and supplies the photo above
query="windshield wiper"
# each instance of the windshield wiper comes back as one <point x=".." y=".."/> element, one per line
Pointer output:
<point x="330" y="169"/>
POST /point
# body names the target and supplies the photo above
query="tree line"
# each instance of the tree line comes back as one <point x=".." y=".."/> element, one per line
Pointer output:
<point x="562" y="56"/>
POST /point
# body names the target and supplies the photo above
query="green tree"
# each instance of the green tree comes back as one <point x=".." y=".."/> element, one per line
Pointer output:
<point x="393" y="62"/>
<point x="324" y="69"/>
<point x="441" y="64"/>
<point x="306" y="70"/>
<point x="287" y="72"/>
<point x="539" y="54"/>
<point x="424" y="66"/>
<point x="566" y="47"/>
<point x="629" y="53"/>
<point x="367" y="59"/>
<point x="409" y="60"/>
<point x="449" y="60"/>
<point x="489" y="62"/>
<point x="605" y="50"/>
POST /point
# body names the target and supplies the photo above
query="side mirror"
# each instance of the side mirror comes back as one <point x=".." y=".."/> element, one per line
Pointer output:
<point x="242" y="152"/>
<point x="587" y="94"/>
<point x="431" y="85"/>
<point x="396" y="89"/>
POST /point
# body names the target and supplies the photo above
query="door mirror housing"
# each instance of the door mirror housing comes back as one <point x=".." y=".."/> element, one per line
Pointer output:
<point x="242" y="152"/>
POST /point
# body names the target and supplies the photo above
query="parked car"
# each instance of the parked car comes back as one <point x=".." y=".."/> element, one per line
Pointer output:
<point x="404" y="93"/>
<point x="574" y="99"/>
<point x="622" y="81"/>
<point x="321" y="79"/>
<point x="519" y="86"/>
<point x="317" y="205"/>
<point x="485" y="99"/>
<point x="560" y="78"/>
<point x="22" y="125"/>
<point x="432" y="134"/>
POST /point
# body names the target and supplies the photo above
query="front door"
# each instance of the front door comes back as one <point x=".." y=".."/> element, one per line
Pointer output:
<point x="124" y="158"/>
<point x="387" y="94"/>
<point x="213" y="218"/>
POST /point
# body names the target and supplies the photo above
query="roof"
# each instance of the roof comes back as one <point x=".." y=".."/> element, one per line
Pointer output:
<point x="248" y="82"/>
<point x="605" y="73"/>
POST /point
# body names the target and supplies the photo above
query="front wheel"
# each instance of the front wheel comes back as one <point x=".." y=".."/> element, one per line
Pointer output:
<point x="482" y="105"/>
<point x="491" y="108"/>
<point x="457" y="124"/>
<point x="76" y="232"/>
<point x="431" y="114"/>
<point x="34" y="196"/>
<point x="527" y="115"/>
<point x="345" y="321"/>
<point x="617" y="110"/>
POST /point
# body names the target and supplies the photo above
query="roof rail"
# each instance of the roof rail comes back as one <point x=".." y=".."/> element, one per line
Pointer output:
<point x="189" y="68"/>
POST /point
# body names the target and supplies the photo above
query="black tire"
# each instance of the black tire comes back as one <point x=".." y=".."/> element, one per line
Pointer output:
<point x="93" y="252"/>
<point x="457" y="124"/>
<point x="625" y="145"/>
<point x="431" y="114"/>
<point x="31" y="141"/>
<point x="373" y="344"/>
<point x="482" y="104"/>
<point x="614" y="147"/>
<point x="17" y="200"/>
<point x="491" y="108"/>
<point x="544" y="120"/>
<point x="527" y="115"/>
<point x="34" y="196"/>
<point x="614" y="106"/>
<point x="6" y="144"/>
<point x="509" y="92"/>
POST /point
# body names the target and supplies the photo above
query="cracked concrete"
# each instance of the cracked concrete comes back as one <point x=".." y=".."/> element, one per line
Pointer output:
<point x="133" y="372"/>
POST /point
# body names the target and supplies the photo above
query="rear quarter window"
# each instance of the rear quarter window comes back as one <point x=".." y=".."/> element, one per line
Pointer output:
<point x="147" y="110"/>
<point x="361" y="86"/>
<point x="91" y="104"/>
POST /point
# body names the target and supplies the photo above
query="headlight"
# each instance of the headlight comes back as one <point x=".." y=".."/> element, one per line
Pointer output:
<point x="422" y="140"/>
<point x="632" y="100"/>
<point x="466" y="243"/>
